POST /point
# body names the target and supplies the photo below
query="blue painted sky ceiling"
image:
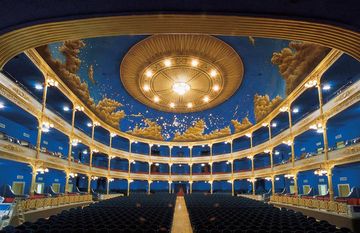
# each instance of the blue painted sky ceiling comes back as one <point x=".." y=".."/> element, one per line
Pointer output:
<point x="261" y="76"/>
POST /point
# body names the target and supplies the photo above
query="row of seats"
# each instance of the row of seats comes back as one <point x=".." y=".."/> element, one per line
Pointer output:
<point x="224" y="213"/>
<point x="136" y="213"/>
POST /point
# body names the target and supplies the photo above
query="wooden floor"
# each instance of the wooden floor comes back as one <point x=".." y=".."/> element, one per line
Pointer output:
<point x="181" y="222"/>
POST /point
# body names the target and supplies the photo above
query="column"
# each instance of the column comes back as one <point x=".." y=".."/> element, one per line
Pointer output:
<point x="252" y="165"/>
<point x="211" y="169"/>
<point x="271" y="159"/>
<point x="251" y="141"/>
<point x="72" y="133"/>
<point x="190" y="183"/>
<point x="33" y="179"/>
<point x="253" y="185"/>
<point x="149" y="185"/>
<point x="128" y="187"/>
<point x="150" y="162"/>
<point x="269" y="127"/>
<point x="190" y="164"/>
<point x="211" y="186"/>
<point x="169" y="182"/>
<point x="330" y="184"/>
<point x="273" y="185"/>
<point x="296" y="184"/>
<point x="107" y="185"/>
<point x="67" y="176"/>
<point x="292" y="152"/>
<point x="40" y="119"/>
<point x="109" y="163"/>
<point x="91" y="156"/>
<point x="89" y="183"/>
<point x="326" y="145"/>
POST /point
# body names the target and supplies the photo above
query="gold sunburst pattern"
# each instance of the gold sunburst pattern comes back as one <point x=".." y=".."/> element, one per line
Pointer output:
<point x="181" y="72"/>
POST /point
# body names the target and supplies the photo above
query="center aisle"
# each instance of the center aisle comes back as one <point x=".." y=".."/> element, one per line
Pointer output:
<point x="181" y="222"/>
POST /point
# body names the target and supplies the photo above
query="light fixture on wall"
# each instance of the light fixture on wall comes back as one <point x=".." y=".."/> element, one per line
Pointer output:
<point x="73" y="175"/>
<point x="318" y="127"/>
<point x="46" y="126"/>
<point x="295" y="110"/>
<point x="41" y="170"/>
<point x="251" y="180"/>
<point x="79" y="108"/>
<point x="94" y="177"/>
<point x="111" y="180"/>
<point x="75" y="142"/>
<point x="268" y="178"/>
<point x="284" y="109"/>
<point x="39" y="86"/>
<point x="311" y="83"/>
<point x="287" y="142"/>
<point x="320" y="172"/>
<point x="52" y="83"/>
<point x="2" y="105"/>
<point x="289" y="176"/>
<point x="248" y="135"/>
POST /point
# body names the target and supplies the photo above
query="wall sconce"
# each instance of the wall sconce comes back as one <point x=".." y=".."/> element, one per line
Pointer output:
<point x="320" y="172"/>
<point x="52" y="83"/>
<point x="311" y="83"/>
<point x="79" y="108"/>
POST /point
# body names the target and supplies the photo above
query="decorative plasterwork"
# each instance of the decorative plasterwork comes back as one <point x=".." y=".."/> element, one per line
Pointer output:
<point x="208" y="70"/>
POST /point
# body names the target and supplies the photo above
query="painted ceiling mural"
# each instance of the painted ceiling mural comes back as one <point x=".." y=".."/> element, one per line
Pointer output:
<point x="271" y="70"/>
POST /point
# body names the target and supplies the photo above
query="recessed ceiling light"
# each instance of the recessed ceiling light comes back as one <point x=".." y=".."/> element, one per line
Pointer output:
<point x="206" y="99"/>
<point x="326" y="87"/>
<point x="89" y="124"/>
<point x="66" y="108"/>
<point x="216" y="87"/>
<point x="149" y="73"/>
<point x="156" y="99"/>
<point x="295" y="110"/>
<point x="172" y="105"/>
<point x="190" y="105"/>
<point x="167" y="62"/>
<point x="38" y="86"/>
<point x="213" y="73"/>
<point x="194" y="62"/>
<point x="146" y="87"/>
<point x="2" y="105"/>
<point x="274" y="124"/>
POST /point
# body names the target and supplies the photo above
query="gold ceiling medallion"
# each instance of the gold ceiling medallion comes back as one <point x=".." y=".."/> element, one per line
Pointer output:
<point x="181" y="73"/>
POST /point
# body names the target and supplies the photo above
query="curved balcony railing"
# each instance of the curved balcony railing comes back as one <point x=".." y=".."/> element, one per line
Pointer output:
<point x="331" y="108"/>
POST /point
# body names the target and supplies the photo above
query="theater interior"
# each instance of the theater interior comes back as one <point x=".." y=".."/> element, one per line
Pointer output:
<point x="180" y="116"/>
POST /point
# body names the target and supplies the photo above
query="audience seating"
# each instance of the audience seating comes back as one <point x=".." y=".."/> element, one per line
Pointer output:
<point x="136" y="213"/>
<point x="224" y="213"/>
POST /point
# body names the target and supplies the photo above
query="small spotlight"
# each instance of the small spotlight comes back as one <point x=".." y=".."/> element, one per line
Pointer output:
<point x="194" y="62"/>
<point x="149" y="73"/>
<point x="277" y="152"/>
<point x="273" y="124"/>
<point x="216" y="87"/>
<point x="89" y="124"/>
<point x="146" y="87"/>
<point x="326" y="87"/>
<point x="172" y="105"/>
<point x="206" y="99"/>
<point x="189" y="105"/>
<point x="167" y="62"/>
<point x="2" y="105"/>
<point x="39" y="86"/>
<point x="156" y="99"/>
<point x="295" y="110"/>
<point x="66" y="108"/>
<point x="213" y="73"/>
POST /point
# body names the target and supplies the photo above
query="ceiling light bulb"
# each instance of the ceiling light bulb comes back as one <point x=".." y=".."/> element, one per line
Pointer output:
<point x="146" y="87"/>
<point x="273" y="124"/>
<point x="167" y="62"/>
<point x="149" y="73"/>
<point x="66" y="108"/>
<point x="295" y="110"/>
<point x="172" y="105"/>
<point x="216" y="87"/>
<point x="156" y="99"/>
<point x="181" y="88"/>
<point x="189" y="105"/>
<point x="206" y="99"/>
<point x="194" y="62"/>
<point x="213" y="73"/>
<point x="89" y="124"/>
<point x="326" y="87"/>
<point x="2" y="105"/>
<point x="38" y="86"/>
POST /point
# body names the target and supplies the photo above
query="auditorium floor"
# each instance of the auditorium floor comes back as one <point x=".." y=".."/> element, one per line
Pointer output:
<point x="181" y="222"/>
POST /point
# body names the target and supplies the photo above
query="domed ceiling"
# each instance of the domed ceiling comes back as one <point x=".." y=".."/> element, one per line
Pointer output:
<point x="182" y="87"/>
